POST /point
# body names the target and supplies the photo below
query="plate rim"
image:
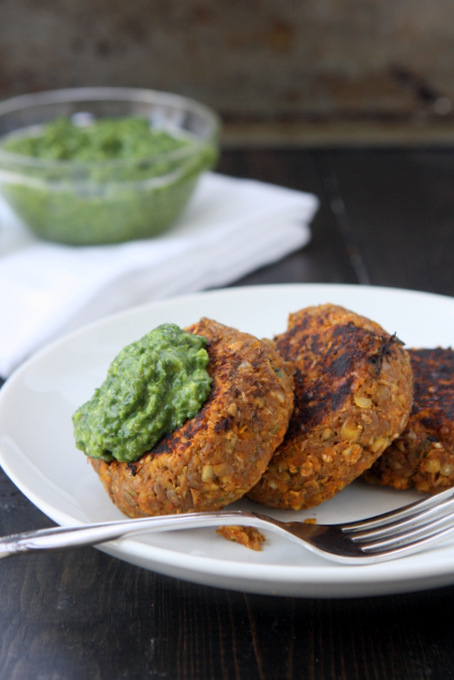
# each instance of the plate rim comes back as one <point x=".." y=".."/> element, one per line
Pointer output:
<point x="238" y="290"/>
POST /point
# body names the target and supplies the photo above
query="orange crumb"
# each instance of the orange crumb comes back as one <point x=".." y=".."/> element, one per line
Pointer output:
<point x="247" y="536"/>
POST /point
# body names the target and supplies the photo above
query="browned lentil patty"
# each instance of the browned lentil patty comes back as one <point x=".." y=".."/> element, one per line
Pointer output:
<point x="216" y="457"/>
<point x="422" y="457"/>
<point x="353" y="395"/>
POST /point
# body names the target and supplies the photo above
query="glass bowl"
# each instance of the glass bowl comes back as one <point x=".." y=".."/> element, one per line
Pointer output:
<point x="109" y="201"/>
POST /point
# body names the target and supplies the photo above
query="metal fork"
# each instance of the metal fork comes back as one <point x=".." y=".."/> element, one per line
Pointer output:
<point x="384" y="537"/>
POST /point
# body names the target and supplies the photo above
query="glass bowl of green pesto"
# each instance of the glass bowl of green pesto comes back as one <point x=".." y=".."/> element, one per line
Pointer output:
<point x="101" y="165"/>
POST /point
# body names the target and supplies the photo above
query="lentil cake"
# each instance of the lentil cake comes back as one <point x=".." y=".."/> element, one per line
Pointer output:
<point x="353" y="395"/>
<point x="422" y="457"/>
<point x="216" y="457"/>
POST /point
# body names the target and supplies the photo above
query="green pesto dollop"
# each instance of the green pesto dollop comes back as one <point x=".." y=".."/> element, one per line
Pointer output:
<point x="152" y="387"/>
<point x="104" y="139"/>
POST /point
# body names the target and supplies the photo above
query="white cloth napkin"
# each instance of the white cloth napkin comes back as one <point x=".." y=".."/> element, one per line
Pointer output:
<point x="230" y="228"/>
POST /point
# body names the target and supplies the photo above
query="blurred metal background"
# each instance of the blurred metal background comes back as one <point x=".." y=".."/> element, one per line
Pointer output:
<point x="295" y="71"/>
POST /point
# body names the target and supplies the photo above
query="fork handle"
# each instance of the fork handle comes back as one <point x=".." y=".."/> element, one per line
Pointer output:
<point x="65" y="538"/>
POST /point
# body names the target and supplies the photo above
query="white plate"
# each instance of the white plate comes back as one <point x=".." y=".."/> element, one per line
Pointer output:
<point x="38" y="453"/>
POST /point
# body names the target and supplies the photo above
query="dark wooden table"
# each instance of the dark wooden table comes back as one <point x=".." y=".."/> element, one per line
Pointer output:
<point x="386" y="218"/>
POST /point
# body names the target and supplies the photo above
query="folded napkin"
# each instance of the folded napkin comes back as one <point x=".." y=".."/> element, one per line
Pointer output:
<point x="230" y="228"/>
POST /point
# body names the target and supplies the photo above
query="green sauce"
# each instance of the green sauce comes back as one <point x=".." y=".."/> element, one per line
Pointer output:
<point x="107" y="182"/>
<point x="152" y="387"/>
<point x="103" y="140"/>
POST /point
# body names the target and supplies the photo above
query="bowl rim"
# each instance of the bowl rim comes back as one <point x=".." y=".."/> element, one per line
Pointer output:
<point x="80" y="94"/>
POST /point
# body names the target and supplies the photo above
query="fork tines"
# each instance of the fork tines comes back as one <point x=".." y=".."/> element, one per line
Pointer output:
<point x="417" y="524"/>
